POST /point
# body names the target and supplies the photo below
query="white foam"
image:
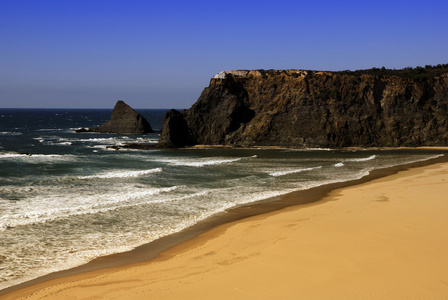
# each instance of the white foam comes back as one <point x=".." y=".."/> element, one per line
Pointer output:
<point x="60" y="142"/>
<point x="354" y="176"/>
<point x="202" y="162"/>
<point x="38" y="158"/>
<point x="89" y="249"/>
<point x="361" y="159"/>
<point x="64" y="143"/>
<point x="397" y="163"/>
<point x="292" y="171"/>
<point x="104" y="147"/>
<point x="50" y="129"/>
<point x="308" y="149"/>
<point x="13" y="133"/>
<point x="26" y="155"/>
<point x="9" y="155"/>
<point x="122" y="174"/>
<point x="116" y="200"/>
<point x="338" y="165"/>
<point x="109" y="140"/>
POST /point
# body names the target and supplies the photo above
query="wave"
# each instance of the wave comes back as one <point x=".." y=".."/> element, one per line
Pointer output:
<point x="113" y="140"/>
<point x="417" y="160"/>
<point x="122" y="174"/>
<point x="110" y="139"/>
<point x="60" y="142"/>
<point x="39" y="139"/>
<point x="12" y="133"/>
<point x="286" y="172"/>
<point x="125" y="199"/>
<point x="37" y="157"/>
<point x="308" y="149"/>
<point x="104" y="147"/>
<point x="361" y="159"/>
<point x="338" y="165"/>
<point x="107" y="141"/>
<point x="9" y="155"/>
<point x="50" y="129"/>
<point x="63" y="144"/>
<point x="203" y="161"/>
<point x="147" y="140"/>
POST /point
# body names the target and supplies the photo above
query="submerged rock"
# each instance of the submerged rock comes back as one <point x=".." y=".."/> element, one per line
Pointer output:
<point x="123" y="120"/>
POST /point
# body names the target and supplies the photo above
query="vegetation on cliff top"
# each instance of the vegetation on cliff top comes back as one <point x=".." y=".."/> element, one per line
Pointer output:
<point x="412" y="73"/>
<point x="417" y="73"/>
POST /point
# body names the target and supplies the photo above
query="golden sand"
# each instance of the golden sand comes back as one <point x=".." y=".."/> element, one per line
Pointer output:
<point x="385" y="239"/>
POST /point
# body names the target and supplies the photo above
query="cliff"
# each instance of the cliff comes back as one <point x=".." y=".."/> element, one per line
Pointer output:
<point x="123" y="120"/>
<point x="372" y="108"/>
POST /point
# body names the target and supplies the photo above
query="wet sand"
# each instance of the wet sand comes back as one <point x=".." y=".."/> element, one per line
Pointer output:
<point x="382" y="239"/>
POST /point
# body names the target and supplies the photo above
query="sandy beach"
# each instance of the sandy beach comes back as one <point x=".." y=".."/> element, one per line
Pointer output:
<point x="384" y="239"/>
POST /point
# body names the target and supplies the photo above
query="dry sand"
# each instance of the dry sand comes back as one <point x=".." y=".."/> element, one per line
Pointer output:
<point x="385" y="239"/>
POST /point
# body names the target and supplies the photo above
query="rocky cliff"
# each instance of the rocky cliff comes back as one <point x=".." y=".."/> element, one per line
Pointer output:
<point x="315" y="109"/>
<point x="123" y="120"/>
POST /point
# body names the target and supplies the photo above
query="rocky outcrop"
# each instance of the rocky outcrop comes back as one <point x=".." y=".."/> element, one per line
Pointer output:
<point x="176" y="131"/>
<point x="123" y="120"/>
<point x="379" y="108"/>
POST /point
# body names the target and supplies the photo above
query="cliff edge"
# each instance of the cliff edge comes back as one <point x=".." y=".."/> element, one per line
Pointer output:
<point x="296" y="108"/>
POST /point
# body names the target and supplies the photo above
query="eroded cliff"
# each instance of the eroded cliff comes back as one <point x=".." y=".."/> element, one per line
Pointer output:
<point x="314" y="109"/>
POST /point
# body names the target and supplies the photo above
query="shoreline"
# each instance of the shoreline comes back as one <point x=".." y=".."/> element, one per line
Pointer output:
<point x="156" y="250"/>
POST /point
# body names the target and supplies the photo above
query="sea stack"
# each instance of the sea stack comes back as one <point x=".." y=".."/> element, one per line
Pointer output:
<point x="123" y="120"/>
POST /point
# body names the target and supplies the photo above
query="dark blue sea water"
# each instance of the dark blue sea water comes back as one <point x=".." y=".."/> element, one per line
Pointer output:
<point x="66" y="197"/>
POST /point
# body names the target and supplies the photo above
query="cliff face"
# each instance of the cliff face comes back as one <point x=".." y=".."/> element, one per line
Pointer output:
<point x="313" y="109"/>
<point x="123" y="120"/>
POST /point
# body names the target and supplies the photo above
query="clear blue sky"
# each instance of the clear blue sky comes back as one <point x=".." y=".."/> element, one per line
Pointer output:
<point x="161" y="54"/>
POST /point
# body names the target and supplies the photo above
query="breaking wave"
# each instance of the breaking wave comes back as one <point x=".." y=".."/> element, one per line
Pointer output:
<point x="202" y="162"/>
<point x="118" y="200"/>
<point x="286" y="172"/>
<point x="122" y="174"/>
<point x="361" y="159"/>
<point x="10" y="133"/>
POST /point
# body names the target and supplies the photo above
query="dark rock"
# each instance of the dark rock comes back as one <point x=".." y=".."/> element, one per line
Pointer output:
<point x="124" y="120"/>
<point x="140" y="146"/>
<point x="175" y="133"/>
<point x="315" y="109"/>
<point x="113" y="147"/>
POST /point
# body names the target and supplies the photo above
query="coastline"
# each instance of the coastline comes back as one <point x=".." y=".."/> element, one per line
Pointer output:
<point x="163" y="249"/>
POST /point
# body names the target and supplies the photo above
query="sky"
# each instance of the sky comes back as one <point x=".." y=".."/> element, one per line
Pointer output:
<point x="162" y="54"/>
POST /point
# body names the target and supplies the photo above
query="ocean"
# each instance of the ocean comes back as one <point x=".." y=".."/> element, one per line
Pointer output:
<point x="67" y="198"/>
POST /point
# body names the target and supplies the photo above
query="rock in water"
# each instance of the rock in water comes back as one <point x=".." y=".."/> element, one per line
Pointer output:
<point x="176" y="134"/>
<point x="123" y="120"/>
<point x="294" y="108"/>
